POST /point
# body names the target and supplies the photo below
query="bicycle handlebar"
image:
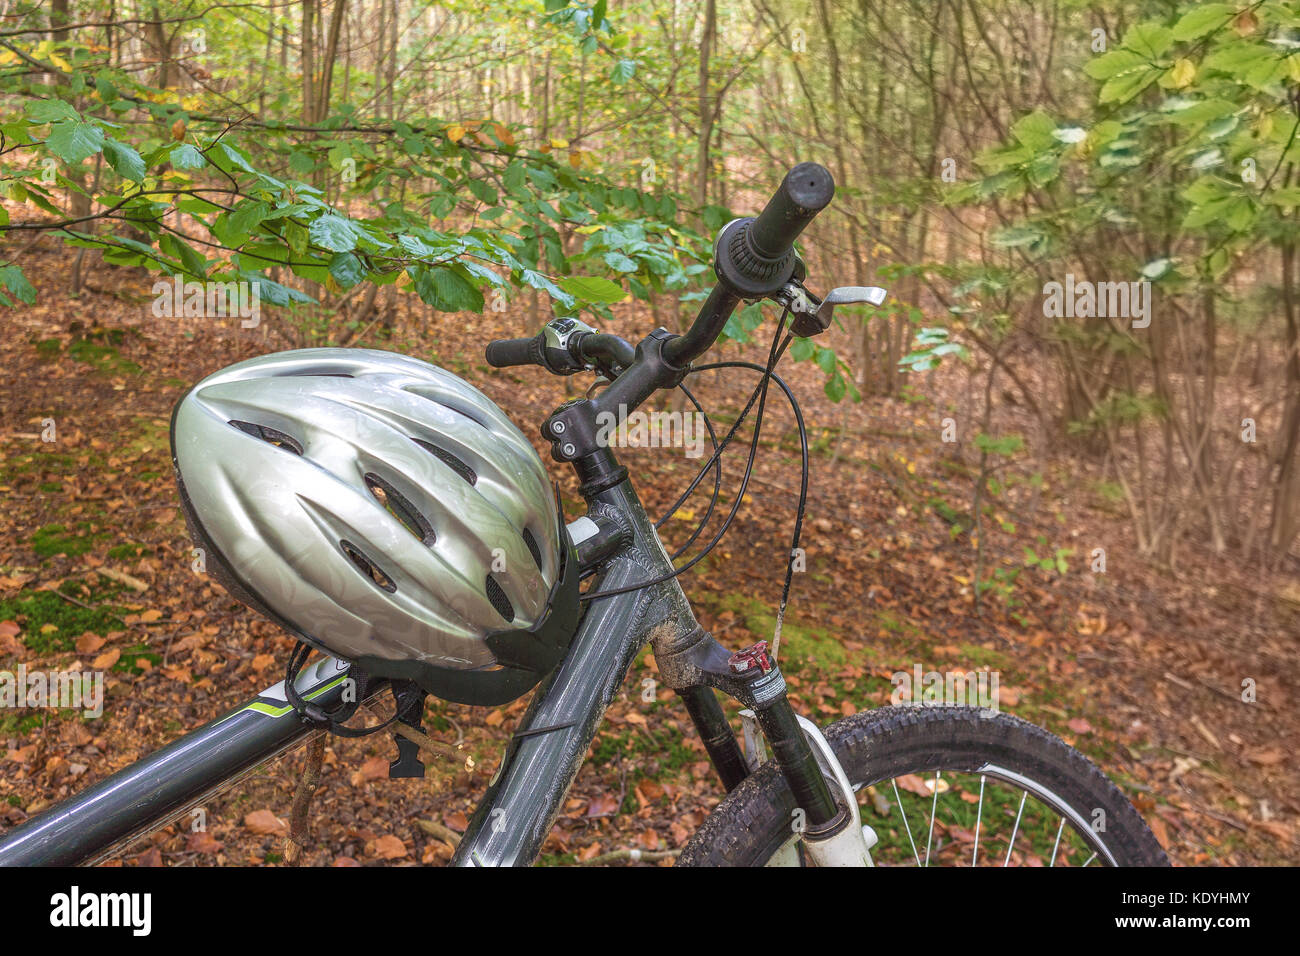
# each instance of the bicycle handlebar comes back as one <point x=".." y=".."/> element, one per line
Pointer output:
<point x="753" y="258"/>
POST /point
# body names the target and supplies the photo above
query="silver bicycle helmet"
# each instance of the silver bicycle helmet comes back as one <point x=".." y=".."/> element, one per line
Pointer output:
<point x="383" y="510"/>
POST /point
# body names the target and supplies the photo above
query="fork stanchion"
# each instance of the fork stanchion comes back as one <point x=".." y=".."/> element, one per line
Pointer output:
<point x="719" y="739"/>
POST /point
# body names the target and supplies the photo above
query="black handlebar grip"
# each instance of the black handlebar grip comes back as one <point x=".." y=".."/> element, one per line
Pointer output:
<point x="755" y="257"/>
<point x="504" y="353"/>
<point x="806" y="190"/>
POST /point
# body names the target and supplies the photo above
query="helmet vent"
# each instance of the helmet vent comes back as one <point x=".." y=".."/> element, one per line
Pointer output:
<point x="533" y="548"/>
<point x="272" y="436"/>
<point x="448" y="459"/>
<point x="368" y="567"/>
<point x="400" y="507"/>
<point x="499" y="600"/>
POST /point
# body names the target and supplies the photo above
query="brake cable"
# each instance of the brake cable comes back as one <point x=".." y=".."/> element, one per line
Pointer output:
<point x="803" y="488"/>
<point x="759" y="395"/>
<point x="717" y="478"/>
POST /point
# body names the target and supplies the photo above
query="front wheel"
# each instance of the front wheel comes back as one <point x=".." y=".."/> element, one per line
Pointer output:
<point x="954" y="786"/>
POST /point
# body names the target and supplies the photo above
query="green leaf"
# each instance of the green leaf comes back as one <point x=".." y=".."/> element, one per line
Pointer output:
<point x="1114" y="63"/>
<point x="619" y="262"/>
<point x="233" y="158"/>
<point x="1286" y="196"/>
<point x="483" y="192"/>
<point x="1205" y="213"/>
<point x="126" y="162"/>
<point x="1201" y="111"/>
<point x="1239" y="57"/>
<point x="12" y="278"/>
<point x="50" y="111"/>
<point x="593" y="289"/>
<point x="1035" y="130"/>
<point x="73" y="141"/>
<point x="271" y="292"/>
<point x="1150" y="40"/>
<point x="1015" y="236"/>
<point x="297" y="238"/>
<point x="189" y="257"/>
<point x="540" y="282"/>
<point x="447" y="290"/>
<point x="1201" y="19"/>
<point x="247" y="216"/>
<point x="1240" y="215"/>
<point x="515" y="179"/>
<point x="301" y="162"/>
<point x="826" y="360"/>
<point x="186" y="156"/>
<point x="623" y="71"/>
<point x="346" y="269"/>
<point x="480" y="271"/>
<point x="334" y="233"/>
<point x="835" y="387"/>
<point x="1125" y="86"/>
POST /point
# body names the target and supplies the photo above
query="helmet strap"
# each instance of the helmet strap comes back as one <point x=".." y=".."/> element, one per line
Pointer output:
<point x="407" y="696"/>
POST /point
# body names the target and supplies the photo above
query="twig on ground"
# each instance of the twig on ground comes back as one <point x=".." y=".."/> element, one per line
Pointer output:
<point x="307" y="784"/>
<point x="121" y="577"/>
<point x="439" y="831"/>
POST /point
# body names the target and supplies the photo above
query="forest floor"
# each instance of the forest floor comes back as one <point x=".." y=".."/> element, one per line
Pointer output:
<point x="1141" y="667"/>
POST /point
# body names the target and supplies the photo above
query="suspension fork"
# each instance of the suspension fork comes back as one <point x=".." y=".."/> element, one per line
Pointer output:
<point x="694" y="665"/>
<point x="719" y="740"/>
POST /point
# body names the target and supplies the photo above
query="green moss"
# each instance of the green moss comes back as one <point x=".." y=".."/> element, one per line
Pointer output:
<point x="557" y="859"/>
<point x="97" y="348"/>
<point x="54" y="539"/>
<point x="799" y="644"/>
<point x="126" y="664"/>
<point x="43" y="464"/>
<point x="127" y="552"/>
<point x="150" y="435"/>
<point x="18" y="725"/>
<point x="974" y="655"/>
<point x="33" y="611"/>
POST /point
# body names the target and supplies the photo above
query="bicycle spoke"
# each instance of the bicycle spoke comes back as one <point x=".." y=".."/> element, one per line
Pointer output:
<point x="934" y="805"/>
<point x="1014" y="830"/>
<point x="1031" y="831"/>
<point x="899" y="801"/>
<point x="1058" y="841"/>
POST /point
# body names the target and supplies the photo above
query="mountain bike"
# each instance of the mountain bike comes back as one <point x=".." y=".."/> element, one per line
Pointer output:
<point x="869" y="789"/>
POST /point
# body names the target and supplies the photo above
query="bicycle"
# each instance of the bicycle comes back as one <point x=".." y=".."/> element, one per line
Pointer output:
<point x="800" y="807"/>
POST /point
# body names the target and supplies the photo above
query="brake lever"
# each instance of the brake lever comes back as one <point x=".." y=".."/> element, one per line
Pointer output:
<point x="813" y="316"/>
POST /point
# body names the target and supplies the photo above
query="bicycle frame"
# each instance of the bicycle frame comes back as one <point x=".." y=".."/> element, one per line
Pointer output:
<point x="541" y="760"/>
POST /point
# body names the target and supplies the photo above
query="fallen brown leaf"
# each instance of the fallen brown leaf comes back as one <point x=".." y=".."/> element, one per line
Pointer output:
<point x="265" y="823"/>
